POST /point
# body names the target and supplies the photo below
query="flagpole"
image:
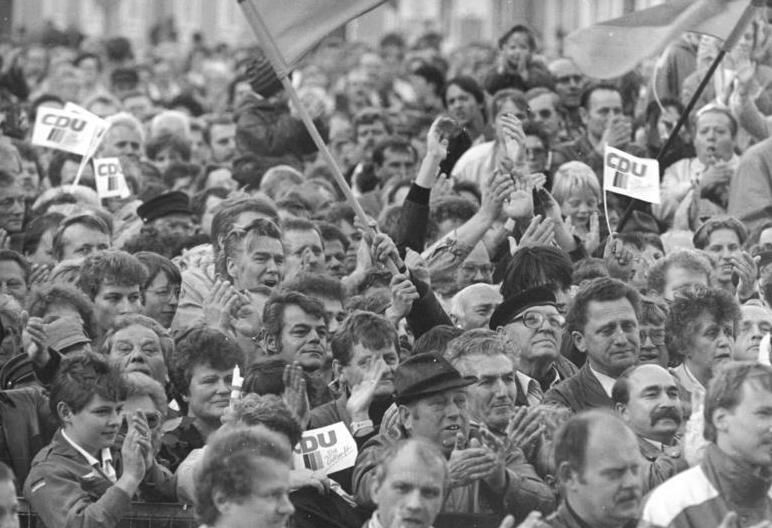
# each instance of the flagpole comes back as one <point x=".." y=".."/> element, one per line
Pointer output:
<point x="726" y="46"/>
<point x="282" y="71"/>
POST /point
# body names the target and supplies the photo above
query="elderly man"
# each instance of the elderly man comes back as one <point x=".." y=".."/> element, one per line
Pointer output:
<point x="569" y="84"/>
<point x="473" y="306"/>
<point x="755" y="323"/>
<point x="598" y="465"/>
<point x="701" y="327"/>
<point x="531" y="323"/>
<point x="603" y="322"/>
<point x="498" y="401"/>
<point x="433" y="405"/>
<point x="730" y="486"/>
<point x="79" y="236"/>
<point x="647" y="399"/>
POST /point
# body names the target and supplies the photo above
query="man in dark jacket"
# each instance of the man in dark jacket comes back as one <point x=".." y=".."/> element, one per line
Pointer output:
<point x="603" y="322"/>
<point x="265" y="128"/>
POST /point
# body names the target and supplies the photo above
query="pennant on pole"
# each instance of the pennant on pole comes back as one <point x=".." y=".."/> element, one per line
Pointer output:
<point x="634" y="177"/>
<point x="109" y="178"/>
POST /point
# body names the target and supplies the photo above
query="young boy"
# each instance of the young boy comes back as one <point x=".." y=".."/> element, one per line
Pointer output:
<point x="73" y="481"/>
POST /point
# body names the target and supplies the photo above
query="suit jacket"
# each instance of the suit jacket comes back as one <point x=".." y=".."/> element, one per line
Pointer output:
<point x="65" y="491"/>
<point x="660" y="465"/>
<point x="579" y="392"/>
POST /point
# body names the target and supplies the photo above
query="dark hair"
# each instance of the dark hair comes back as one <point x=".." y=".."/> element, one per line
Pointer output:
<point x="198" y="202"/>
<point x="35" y="230"/>
<point x="531" y="128"/>
<point x="366" y="328"/>
<point x="179" y="170"/>
<point x="436" y="340"/>
<point x="467" y="84"/>
<point x="653" y="311"/>
<point x="56" y="165"/>
<point x="86" y="56"/>
<point x="201" y="345"/>
<point x="155" y="264"/>
<point x="80" y="377"/>
<point x="317" y="285"/>
<point x="725" y="390"/>
<point x="268" y="410"/>
<point x="112" y="265"/>
<point x="393" y="143"/>
<point x="265" y="376"/>
<point x="273" y="312"/>
<point x="368" y="116"/>
<point x="451" y="207"/>
<point x="340" y="211"/>
<point x="603" y="289"/>
<point x="584" y="101"/>
<point x="18" y="258"/>
<point x="518" y="28"/>
<point x="470" y="187"/>
<point x="587" y="269"/>
<point x="688" y="305"/>
<point x="89" y="220"/>
<point x="572" y="438"/>
<point x="508" y="94"/>
<point x="156" y="145"/>
<point x="537" y="266"/>
<point x="232" y="465"/>
<point x="702" y="235"/>
<point x="330" y="231"/>
<point x="47" y="295"/>
<point x="432" y="75"/>
<point x="28" y="153"/>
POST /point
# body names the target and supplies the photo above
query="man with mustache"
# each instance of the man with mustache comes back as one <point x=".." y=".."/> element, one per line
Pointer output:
<point x="731" y="485"/>
<point x="603" y="323"/>
<point x="700" y="331"/>
<point x="598" y="466"/>
<point x="647" y="399"/>
<point x="434" y="406"/>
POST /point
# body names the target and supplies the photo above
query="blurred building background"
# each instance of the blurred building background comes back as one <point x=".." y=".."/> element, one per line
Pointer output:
<point x="461" y="21"/>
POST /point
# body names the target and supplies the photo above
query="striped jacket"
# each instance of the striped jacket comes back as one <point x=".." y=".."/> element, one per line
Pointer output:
<point x="703" y="495"/>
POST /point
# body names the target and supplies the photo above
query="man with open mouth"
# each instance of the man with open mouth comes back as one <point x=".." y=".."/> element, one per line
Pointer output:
<point x="433" y="406"/>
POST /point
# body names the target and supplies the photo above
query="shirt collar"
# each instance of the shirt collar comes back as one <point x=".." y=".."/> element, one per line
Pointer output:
<point x="106" y="455"/>
<point x="605" y="381"/>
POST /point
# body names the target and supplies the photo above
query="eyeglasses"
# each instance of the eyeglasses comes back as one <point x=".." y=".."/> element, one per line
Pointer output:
<point x="657" y="335"/>
<point x="535" y="320"/>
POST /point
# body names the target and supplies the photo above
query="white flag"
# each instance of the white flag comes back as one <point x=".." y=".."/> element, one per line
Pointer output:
<point x="634" y="177"/>
<point x="65" y="130"/>
<point x="110" y="181"/>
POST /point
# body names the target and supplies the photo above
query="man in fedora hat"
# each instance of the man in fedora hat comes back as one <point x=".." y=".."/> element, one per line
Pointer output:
<point x="433" y="405"/>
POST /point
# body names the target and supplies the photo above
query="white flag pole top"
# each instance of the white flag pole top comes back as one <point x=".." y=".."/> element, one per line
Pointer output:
<point x="282" y="71"/>
<point x="236" y="383"/>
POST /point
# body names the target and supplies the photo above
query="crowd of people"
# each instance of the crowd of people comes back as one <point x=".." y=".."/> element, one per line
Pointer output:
<point x="503" y="343"/>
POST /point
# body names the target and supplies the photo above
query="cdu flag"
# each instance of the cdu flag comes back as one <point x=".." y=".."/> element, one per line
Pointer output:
<point x="631" y="176"/>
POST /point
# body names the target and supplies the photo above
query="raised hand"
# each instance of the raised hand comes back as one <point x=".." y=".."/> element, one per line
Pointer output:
<point x="295" y="394"/>
<point x="524" y="428"/>
<point x="539" y="232"/>
<point x="500" y="187"/>
<point x="363" y="390"/>
<point x="403" y="295"/>
<point x="471" y="464"/>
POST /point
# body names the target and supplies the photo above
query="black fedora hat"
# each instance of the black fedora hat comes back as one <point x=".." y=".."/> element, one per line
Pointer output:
<point x="163" y="205"/>
<point x="426" y="374"/>
<point x="517" y="304"/>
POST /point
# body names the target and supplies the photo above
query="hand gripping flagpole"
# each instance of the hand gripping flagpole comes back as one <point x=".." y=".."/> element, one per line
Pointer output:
<point x="282" y="71"/>
<point x="727" y="45"/>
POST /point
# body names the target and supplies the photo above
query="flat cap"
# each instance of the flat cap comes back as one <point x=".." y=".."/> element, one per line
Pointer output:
<point x="163" y="205"/>
<point x="426" y="374"/>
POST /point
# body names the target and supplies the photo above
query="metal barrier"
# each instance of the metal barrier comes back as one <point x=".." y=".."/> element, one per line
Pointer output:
<point x="143" y="515"/>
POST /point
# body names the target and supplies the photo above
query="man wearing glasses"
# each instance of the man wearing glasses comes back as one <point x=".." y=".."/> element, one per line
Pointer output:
<point x="531" y="324"/>
<point x="603" y="324"/>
